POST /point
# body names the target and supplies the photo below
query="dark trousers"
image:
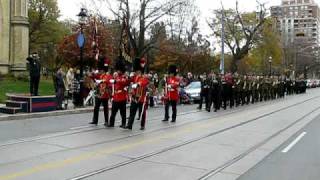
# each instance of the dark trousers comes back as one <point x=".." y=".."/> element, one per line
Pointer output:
<point x="205" y="97"/>
<point x="105" y="104"/>
<point x="151" y="101"/>
<point x="232" y="97"/>
<point x="60" y="97"/>
<point x="34" y="85"/>
<point x="249" y="96"/>
<point x="133" y="111"/>
<point x="116" y="106"/>
<point x="174" y="110"/>
<point x="226" y="94"/>
<point x="237" y="97"/>
<point x="215" y="100"/>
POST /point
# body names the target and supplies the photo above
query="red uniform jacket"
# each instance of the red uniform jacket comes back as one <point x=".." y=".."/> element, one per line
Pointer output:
<point x="140" y="91"/>
<point x="120" y="88"/>
<point x="105" y="85"/>
<point x="172" y="88"/>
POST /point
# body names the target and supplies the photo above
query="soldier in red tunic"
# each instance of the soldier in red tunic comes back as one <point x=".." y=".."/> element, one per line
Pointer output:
<point x="171" y="94"/>
<point x="119" y="88"/>
<point x="102" y="81"/>
<point x="139" y="97"/>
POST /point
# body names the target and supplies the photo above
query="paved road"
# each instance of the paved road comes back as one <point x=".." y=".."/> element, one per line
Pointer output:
<point x="11" y="130"/>
<point x="201" y="145"/>
<point x="297" y="159"/>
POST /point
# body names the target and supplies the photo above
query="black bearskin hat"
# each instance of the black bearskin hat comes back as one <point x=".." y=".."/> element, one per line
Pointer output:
<point x="103" y="63"/>
<point x="120" y="65"/>
<point x="173" y="69"/>
<point x="139" y="64"/>
<point x="100" y="65"/>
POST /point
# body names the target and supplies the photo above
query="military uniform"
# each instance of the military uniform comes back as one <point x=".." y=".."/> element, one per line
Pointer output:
<point x="229" y="89"/>
<point x="281" y="89"/>
<point x="34" y="69"/>
<point x="103" y="91"/>
<point x="119" y="85"/>
<point x="254" y="89"/>
<point x="139" y="94"/>
<point x="171" y="93"/>
<point x="204" y="93"/>
<point x="237" y="90"/>
<point x="215" y="93"/>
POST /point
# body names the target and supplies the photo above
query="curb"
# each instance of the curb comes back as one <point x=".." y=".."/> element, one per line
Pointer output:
<point x="23" y="116"/>
<point x="45" y="114"/>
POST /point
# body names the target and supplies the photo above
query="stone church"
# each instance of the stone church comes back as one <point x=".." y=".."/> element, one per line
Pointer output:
<point x="14" y="36"/>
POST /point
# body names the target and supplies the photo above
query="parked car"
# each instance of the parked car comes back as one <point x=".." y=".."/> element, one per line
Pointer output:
<point x="193" y="90"/>
<point x="309" y="83"/>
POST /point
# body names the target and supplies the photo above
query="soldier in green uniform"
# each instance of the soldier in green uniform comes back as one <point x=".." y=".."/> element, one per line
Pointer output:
<point x="281" y="89"/>
<point x="254" y="89"/>
<point x="237" y="90"/>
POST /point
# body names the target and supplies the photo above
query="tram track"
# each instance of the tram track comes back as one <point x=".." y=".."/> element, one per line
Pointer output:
<point x="220" y="168"/>
<point x="97" y="128"/>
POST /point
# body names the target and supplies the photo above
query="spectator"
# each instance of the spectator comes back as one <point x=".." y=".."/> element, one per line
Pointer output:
<point x="59" y="88"/>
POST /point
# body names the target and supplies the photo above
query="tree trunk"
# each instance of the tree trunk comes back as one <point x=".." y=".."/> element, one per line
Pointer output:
<point x="234" y="64"/>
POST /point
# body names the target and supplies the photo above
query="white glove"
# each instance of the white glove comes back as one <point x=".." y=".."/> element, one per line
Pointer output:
<point x="169" y="87"/>
<point x="112" y="81"/>
<point x="98" y="81"/>
<point x="131" y="74"/>
<point x="134" y="86"/>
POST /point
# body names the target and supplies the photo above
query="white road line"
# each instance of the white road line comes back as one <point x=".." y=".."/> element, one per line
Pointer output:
<point x="82" y="127"/>
<point x="285" y="150"/>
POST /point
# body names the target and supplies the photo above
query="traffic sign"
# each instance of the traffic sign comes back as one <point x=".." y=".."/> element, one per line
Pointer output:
<point x="81" y="40"/>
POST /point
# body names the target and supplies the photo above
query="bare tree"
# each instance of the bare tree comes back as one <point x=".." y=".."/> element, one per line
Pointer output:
<point x="138" y="18"/>
<point x="242" y="30"/>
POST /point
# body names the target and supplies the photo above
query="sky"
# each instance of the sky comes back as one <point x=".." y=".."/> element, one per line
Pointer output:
<point x="70" y="8"/>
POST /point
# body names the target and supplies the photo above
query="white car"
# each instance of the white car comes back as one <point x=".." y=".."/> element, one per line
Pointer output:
<point x="193" y="90"/>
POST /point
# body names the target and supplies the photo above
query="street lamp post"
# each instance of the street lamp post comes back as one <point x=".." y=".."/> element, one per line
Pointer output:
<point x="291" y="71"/>
<point x="270" y="63"/>
<point x="81" y="42"/>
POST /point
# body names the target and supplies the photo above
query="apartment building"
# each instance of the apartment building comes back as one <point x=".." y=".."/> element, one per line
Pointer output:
<point x="296" y="19"/>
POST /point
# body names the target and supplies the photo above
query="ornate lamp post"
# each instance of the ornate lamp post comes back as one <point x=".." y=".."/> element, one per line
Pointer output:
<point x="81" y="42"/>
<point x="270" y="64"/>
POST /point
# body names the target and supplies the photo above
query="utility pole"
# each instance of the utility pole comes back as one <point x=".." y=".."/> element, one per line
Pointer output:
<point x="222" y="41"/>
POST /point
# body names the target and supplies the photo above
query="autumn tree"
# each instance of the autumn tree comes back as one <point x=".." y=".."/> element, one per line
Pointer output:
<point x="45" y="30"/>
<point x="139" y="18"/>
<point x="242" y="30"/>
<point x="191" y="53"/>
<point x="269" y="45"/>
<point x="97" y="32"/>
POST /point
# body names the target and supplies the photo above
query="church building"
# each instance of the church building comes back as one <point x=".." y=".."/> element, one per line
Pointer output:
<point x="14" y="36"/>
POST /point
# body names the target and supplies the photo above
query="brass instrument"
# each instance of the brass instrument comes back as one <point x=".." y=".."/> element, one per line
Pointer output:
<point x="138" y="93"/>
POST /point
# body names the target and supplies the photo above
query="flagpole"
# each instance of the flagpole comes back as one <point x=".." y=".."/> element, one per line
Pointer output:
<point x="222" y="41"/>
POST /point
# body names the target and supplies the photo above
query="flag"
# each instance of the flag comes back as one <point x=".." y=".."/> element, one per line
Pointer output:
<point x="124" y="45"/>
<point x="95" y="44"/>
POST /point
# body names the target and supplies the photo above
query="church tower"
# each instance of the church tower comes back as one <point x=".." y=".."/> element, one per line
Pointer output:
<point x="14" y="35"/>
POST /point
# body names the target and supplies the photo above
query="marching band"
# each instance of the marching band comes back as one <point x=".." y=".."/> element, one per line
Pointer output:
<point x="217" y="90"/>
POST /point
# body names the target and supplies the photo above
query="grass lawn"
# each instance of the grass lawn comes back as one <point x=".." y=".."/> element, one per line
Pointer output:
<point x="18" y="86"/>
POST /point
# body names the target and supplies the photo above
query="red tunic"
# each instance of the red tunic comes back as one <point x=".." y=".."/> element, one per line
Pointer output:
<point x="140" y="91"/>
<point x="120" y="88"/>
<point x="172" y="88"/>
<point x="105" y="85"/>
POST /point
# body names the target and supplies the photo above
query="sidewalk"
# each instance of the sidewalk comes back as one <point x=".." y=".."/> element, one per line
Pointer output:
<point x="22" y="116"/>
<point x="70" y="110"/>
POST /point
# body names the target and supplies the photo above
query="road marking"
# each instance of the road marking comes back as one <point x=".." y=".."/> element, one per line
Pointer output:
<point x="285" y="150"/>
<point x="82" y="127"/>
<point x="102" y="152"/>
